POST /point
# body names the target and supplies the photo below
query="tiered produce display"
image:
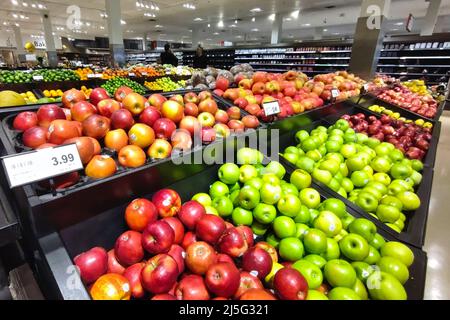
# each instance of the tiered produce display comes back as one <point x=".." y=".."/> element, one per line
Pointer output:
<point x="308" y="248"/>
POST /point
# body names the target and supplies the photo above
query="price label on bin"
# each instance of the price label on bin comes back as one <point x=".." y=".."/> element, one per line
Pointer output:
<point x="131" y="74"/>
<point x="91" y="75"/>
<point x="28" y="167"/>
<point x="271" y="108"/>
<point x="335" y="93"/>
<point x="38" y="78"/>
<point x="144" y="74"/>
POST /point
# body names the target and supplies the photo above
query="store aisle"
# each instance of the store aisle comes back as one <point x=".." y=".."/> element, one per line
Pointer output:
<point x="438" y="235"/>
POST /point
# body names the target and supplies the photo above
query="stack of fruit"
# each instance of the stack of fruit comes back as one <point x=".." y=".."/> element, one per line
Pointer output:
<point x="86" y="91"/>
<point x="417" y="86"/>
<point x="402" y="97"/>
<point x="411" y="139"/>
<point x="52" y="93"/>
<point x="165" y="84"/>
<point x="313" y="251"/>
<point x="83" y="73"/>
<point x="116" y="82"/>
<point x="114" y="73"/>
<point x="348" y="85"/>
<point x="396" y="116"/>
<point x="372" y="174"/>
<point x="145" y="72"/>
<point x="128" y="125"/>
<point x="29" y="97"/>
<point x="290" y="89"/>
<point x="7" y="76"/>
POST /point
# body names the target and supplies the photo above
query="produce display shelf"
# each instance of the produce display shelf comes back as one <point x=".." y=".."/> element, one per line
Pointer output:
<point x="415" y="225"/>
<point x="299" y="64"/>
<point x="106" y="226"/>
<point x="9" y="226"/>
<point x="408" y="49"/>
<point x="289" y="59"/>
<point x="415" y="74"/>
<point x="415" y="65"/>
<point x="418" y="58"/>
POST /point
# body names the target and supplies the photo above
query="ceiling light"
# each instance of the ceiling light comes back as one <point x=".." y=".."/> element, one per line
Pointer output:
<point x="233" y="26"/>
<point x="295" y="14"/>
<point x="158" y="26"/>
<point x="14" y="2"/>
<point x="88" y="24"/>
<point x="272" y="17"/>
<point x="102" y="27"/>
<point x="235" y="21"/>
<point x="256" y="10"/>
<point x="255" y="30"/>
<point x="398" y="23"/>
<point x="209" y="25"/>
<point x="198" y="19"/>
<point x="253" y="19"/>
<point x="325" y="30"/>
<point x="123" y="22"/>
<point x="22" y="16"/>
<point x="41" y="6"/>
<point x="17" y="25"/>
<point x="33" y="5"/>
<point x="189" y="6"/>
<point x="239" y="37"/>
<point x="220" y="24"/>
<point x="25" y="4"/>
<point x="306" y="24"/>
<point x="15" y="16"/>
<point x="336" y="33"/>
<point x="216" y="33"/>
<point x="287" y="19"/>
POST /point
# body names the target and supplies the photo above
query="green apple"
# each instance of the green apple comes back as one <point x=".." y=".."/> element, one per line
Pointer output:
<point x="383" y="286"/>
<point x="336" y="138"/>
<point x="309" y="144"/>
<point x="276" y="168"/>
<point x="356" y="162"/>
<point x="373" y="191"/>
<point x="229" y="173"/>
<point x="400" y="224"/>
<point x="364" y="228"/>
<point x="271" y="178"/>
<point x="378" y="186"/>
<point x="255" y="183"/>
<point x="417" y="165"/>
<point x="315" y="241"/>
<point x="289" y="205"/>
<point x="394" y="227"/>
<point x="372" y="143"/>
<point x="317" y="260"/>
<point x="291" y="149"/>
<point x="211" y="210"/>
<point x="313" y="214"/>
<point x="333" y="251"/>
<point x="394" y="267"/>
<point x="392" y="201"/>
<point x="289" y="188"/>
<point x="342" y="125"/>
<point x="399" y="251"/>
<point x="234" y="187"/>
<point x="367" y="202"/>
<point x="343" y="169"/>
<point x="396" y="155"/>
<point x="310" y="198"/>
<point x="310" y="271"/>
<point x="259" y="229"/>
<point x="397" y="187"/>
<point x="368" y="169"/>
<point x="219" y="189"/>
<point x="328" y="223"/>
<point x="409" y="199"/>
<point x="334" y="205"/>
<point x="249" y="198"/>
<point x="347" y="220"/>
<point x="360" y="290"/>
<point x="301" y="135"/>
<point x="234" y="197"/>
<point x="303" y="215"/>
<point x="315" y="155"/>
<point x="341" y="235"/>
<point x="334" y="185"/>
<point x="381" y="164"/>
<point x="341" y="293"/>
<point x="333" y="146"/>
<point x="349" y="137"/>
<point x="400" y="171"/>
<point x="363" y="270"/>
<point x="382" y="178"/>
<point x="275" y="268"/>
<point x="322" y="176"/>
<point x="338" y="176"/>
<point x="336" y="156"/>
<point x="260" y="169"/>
<point x="273" y="240"/>
<point x="301" y="179"/>
<point x="354" y="247"/>
<point x="361" y="138"/>
<point x="336" y="132"/>
<point x="373" y="257"/>
<point x="330" y="165"/>
<point x="323" y="150"/>
<point x="415" y="178"/>
<point x="340" y="273"/>
<point x="264" y="213"/>
<point x="203" y="198"/>
<point x="387" y="214"/>
<point x="270" y="193"/>
<point x="387" y="146"/>
<point x="360" y="179"/>
<point x="247" y="172"/>
<point x="284" y="227"/>
<point x="377" y="241"/>
<point x="249" y="156"/>
<point x="315" y="295"/>
<point x="242" y="217"/>
<point x="342" y="193"/>
<point x="402" y="217"/>
<point x="223" y="205"/>
<point x="291" y="249"/>
<point x="348" y="150"/>
<point x="305" y="163"/>
<point x="291" y="157"/>
<point x="347" y="185"/>
<point x="300" y="230"/>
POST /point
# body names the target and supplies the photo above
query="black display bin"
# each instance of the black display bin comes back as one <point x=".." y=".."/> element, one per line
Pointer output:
<point x="60" y="248"/>
<point x="9" y="226"/>
<point x="415" y="224"/>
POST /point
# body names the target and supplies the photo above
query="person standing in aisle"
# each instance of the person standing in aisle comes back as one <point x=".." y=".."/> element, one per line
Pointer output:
<point x="167" y="57"/>
<point x="200" y="58"/>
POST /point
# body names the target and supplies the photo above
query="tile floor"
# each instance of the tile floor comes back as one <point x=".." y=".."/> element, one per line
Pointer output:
<point x="437" y="240"/>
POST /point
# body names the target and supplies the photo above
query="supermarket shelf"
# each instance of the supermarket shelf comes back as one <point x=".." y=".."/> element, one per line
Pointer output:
<point x="404" y="58"/>
<point x="407" y="49"/>
<point x="290" y="59"/>
<point x="301" y="65"/>
<point x="335" y="51"/>
<point x="414" y="66"/>
<point x="415" y="74"/>
<point x="294" y="52"/>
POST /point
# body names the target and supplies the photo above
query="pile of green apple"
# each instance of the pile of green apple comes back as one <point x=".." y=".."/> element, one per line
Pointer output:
<point x="341" y="257"/>
<point x="372" y="174"/>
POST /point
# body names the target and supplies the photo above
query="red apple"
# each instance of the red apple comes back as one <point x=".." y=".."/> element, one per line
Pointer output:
<point x="257" y="294"/>
<point x="178" y="98"/>
<point x="179" y="255"/>
<point x="97" y="95"/>
<point x="242" y="103"/>
<point x="158" y="237"/>
<point x="181" y="140"/>
<point x="191" y="97"/>
<point x="192" y="287"/>
<point x="172" y="110"/>
<point x="191" y="109"/>
<point x="135" y="103"/>
<point x="289" y="284"/>
<point x="34" y="137"/>
<point x="191" y="213"/>
<point x="157" y="100"/>
<point x="199" y="257"/>
<point x="250" y="121"/>
<point x="122" y="119"/>
<point x="113" y="265"/>
<point x="128" y="248"/>
<point x="232" y="242"/>
<point x="208" y="135"/>
<point x="164" y="128"/>
<point x="258" y="88"/>
<point x="223" y="279"/>
<point x="257" y="260"/>
<point x="204" y="95"/>
<point x="247" y="282"/>
<point x="62" y="130"/>
<point x="222" y="116"/>
<point x="208" y="105"/>
<point x="247" y="233"/>
<point x="168" y="202"/>
<point x="48" y="113"/>
<point x="96" y="126"/>
<point x="218" y="92"/>
<point x="107" y="107"/>
<point x="210" y="228"/>
<point x="270" y="250"/>
<point x="159" y="274"/>
<point x="139" y="213"/>
<point x="222" y="83"/>
<point x="164" y="296"/>
<point x="234" y="113"/>
<point x="222" y="257"/>
<point x="71" y="97"/>
<point x="222" y="130"/>
<point x="92" y="264"/>
<point x="191" y="124"/>
<point x="122" y="92"/>
<point x="149" y="116"/>
<point x="85" y="148"/>
<point x="206" y="119"/>
<point x="188" y="239"/>
<point x="236" y="125"/>
<point x="177" y="227"/>
<point x="133" y="275"/>
<point x="253" y="109"/>
<point x="25" y="120"/>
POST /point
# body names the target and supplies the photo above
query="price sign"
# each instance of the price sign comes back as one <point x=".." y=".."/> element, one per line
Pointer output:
<point x="144" y="74"/>
<point x="271" y="108"/>
<point x="131" y="74"/>
<point x="365" y="88"/>
<point x="91" y="75"/>
<point x="335" y="93"/>
<point x="29" y="167"/>
<point x="98" y="75"/>
<point x="38" y="78"/>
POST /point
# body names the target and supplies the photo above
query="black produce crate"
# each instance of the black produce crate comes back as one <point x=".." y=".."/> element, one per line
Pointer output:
<point x="9" y="226"/>
<point x="415" y="224"/>
<point x="46" y="210"/>
<point x="369" y="100"/>
<point x="104" y="228"/>
<point x="352" y="109"/>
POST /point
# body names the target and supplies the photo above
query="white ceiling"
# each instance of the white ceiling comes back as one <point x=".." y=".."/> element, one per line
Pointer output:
<point x="174" y="22"/>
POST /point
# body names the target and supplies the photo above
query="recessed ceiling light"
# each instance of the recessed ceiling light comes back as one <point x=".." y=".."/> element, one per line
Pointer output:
<point x="25" y="4"/>
<point x="123" y="22"/>
<point x="198" y="19"/>
<point x="255" y="30"/>
<point x="256" y="10"/>
<point x="235" y="21"/>
<point x="306" y="25"/>
<point x="336" y="33"/>
<point x="15" y="15"/>
<point x="233" y="26"/>
<point x="209" y="25"/>
<point x="220" y="24"/>
<point x="253" y="19"/>
<point x="287" y="19"/>
<point x="272" y="17"/>
<point x="239" y="37"/>
<point x="14" y="2"/>
<point x="215" y="33"/>
<point x="295" y="14"/>
<point x="394" y="29"/>
<point x="158" y="26"/>
<point x="398" y="23"/>
<point x="325" y="30"/>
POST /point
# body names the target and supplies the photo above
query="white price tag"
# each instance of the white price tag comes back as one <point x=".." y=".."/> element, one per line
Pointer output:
<point x="38" y="78"/>
<point x="271" y="108"/>
<point x="366" y="87"/>
<point x="91" y="75"/>
<point x="144" y="74"/>
<point x="131" y="74"/>
<point x="98" y="75"/>
<point x="335" y="93"/>
<point x="29" y="167"/>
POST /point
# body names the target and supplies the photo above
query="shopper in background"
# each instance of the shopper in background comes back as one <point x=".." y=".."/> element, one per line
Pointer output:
<point x="167" y="57"/>
<point x="200" y="58"/>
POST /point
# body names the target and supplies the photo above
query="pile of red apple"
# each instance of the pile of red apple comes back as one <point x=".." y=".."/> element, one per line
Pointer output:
<point x="411" y="139"/>
<point x="401" y="96"/>
<point x="134" y="127"/>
